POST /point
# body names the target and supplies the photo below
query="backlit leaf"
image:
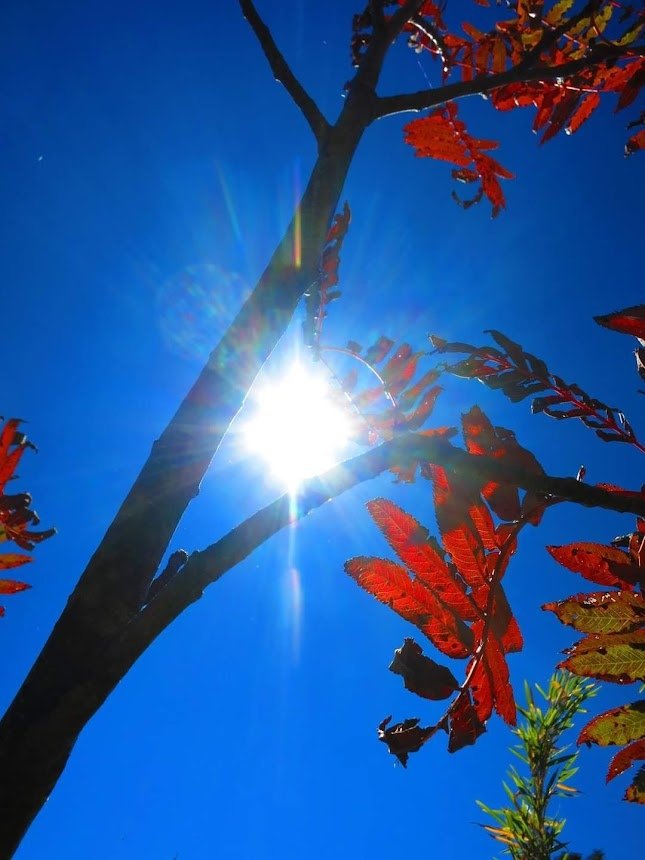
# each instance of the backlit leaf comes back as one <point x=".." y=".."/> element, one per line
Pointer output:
<point x="619" y="658"/>
<point x="465" y="725"/>
<point x="411" y="599"/>
<point x="12" y="559"/>
<point x="411" y="542"/>
<point x="616" y="727"/>
<point x="636" y="791"/>
<point x="625" y="758"/>
<point x="628" y="321"/>
<point x="490" y="682"/>
<point x="601" y="611"/>
<point x="635" y="143"/>
<point x="10" y="586"/>
<point x="597" y="563"/>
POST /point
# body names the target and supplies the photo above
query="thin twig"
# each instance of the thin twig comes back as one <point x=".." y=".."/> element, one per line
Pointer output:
<point x="282" y="72"/>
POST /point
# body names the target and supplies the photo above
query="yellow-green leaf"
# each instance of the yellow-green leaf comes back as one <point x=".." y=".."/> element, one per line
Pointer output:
<point x="636" y="791"/>
<point x="601" y="611"/>
<point x="617" y="726"/>
<point x="619" y="658"/>
<point x="555" y="16"/>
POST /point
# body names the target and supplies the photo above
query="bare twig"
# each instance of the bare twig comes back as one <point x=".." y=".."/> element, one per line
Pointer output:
<point x="282" y="72"/>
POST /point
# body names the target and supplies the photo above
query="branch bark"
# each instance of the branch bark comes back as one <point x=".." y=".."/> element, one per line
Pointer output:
<point x="482" y="84"/>
<point x="103" y="628"/>
<point x="75" y="670"/>
<point x="282" y="73"/>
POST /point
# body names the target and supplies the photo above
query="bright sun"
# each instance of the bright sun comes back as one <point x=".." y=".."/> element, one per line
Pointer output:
<point x="296" y="428"/>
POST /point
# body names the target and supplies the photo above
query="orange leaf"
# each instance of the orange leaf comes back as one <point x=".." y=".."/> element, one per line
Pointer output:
<point x="13" y="559"/>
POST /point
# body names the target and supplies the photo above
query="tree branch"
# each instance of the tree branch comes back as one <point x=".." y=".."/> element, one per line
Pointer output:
<point x="208" y="565"/>
<point x="401" y="17"/>
<point x="283" y="74"/>
<point x="378" y="16"/>
<point x="424" y="99"/>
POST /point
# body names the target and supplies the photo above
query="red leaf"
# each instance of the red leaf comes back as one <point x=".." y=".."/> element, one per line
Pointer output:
<point x="460" y="516"/>
<point x="433" y="136"/>
<point x="490" y="683"/>
<point x="377" y="352"/>
<point x="390" y="584"/>
<point x="583" y="112"/>
<point x="10" y="586"/>
<point x="12" y="559"/>
<point x="504" y="624"/>
<point x="633" y="85"/>
<point x="597" y="563"/>
<point x="629" y="320"/>
<point x="481" y="439"/>
<point x="465" y="725"/>
<point x="410" y="541"/>
<point x="625" y="758"/>
<point x="635" y="143"/>
<point x="424" y="410"/>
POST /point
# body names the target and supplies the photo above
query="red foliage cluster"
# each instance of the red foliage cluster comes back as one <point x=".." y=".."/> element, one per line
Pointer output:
<point x="519" y="374"/>
<point x="452" y="590"/>
<point x="558" y="58"/>
<point x="442" y="136"/>
<point x="613" y="647"/>
<point x="16" y="515"/>
<point x="408" y="401"/>
<point x="323" y="292"/>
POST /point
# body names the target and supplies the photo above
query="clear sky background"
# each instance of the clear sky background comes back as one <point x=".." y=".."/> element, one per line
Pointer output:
<point x="149" y="167"/>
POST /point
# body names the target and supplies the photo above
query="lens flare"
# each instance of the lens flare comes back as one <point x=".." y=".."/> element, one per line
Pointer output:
<point x="196" y="306"/>
<point x="297" y="428"/>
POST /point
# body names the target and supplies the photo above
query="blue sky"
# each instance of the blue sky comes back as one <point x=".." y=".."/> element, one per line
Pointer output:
<point x="146" y="146"/>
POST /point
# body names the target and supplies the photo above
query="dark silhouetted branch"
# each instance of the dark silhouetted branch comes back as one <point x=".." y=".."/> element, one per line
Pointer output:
<point x="282" y="72"/>
<point x="482" y="84"/>
<point x="208" y="565"/>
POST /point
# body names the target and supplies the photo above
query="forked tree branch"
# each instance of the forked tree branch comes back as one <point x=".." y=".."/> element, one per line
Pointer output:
<point x="282" y="72"/>
<point x="208" y="565"/>
<point x="482" y="84"/>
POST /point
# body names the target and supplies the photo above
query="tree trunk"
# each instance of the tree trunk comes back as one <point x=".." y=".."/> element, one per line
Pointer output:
<point x="80" y="664"/>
